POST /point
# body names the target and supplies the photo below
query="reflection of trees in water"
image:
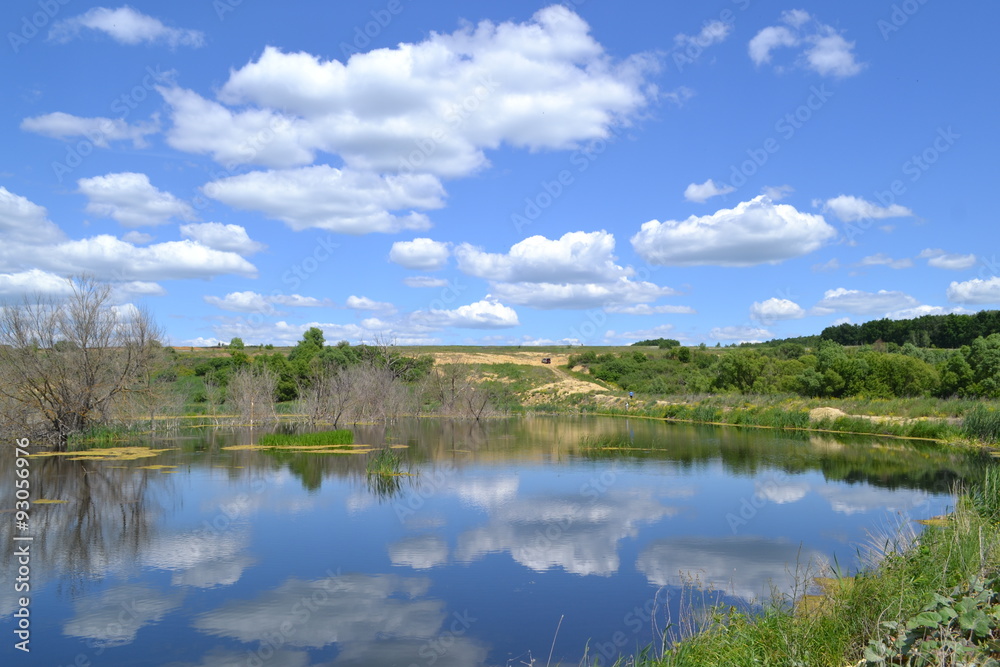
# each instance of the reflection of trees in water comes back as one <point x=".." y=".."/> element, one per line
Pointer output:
<point x="106" y="522"/>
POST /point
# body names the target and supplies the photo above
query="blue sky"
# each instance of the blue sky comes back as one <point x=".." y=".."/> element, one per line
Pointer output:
<point x="470" y="173"/>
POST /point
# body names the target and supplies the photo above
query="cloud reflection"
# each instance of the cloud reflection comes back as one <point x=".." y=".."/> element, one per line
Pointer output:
<point x="115" y="616"/>
<point x="747" y="567"/>
<point x="576" y="533"/>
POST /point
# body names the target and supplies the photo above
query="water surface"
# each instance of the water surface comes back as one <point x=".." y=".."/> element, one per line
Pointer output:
<point x="504" y="533"/>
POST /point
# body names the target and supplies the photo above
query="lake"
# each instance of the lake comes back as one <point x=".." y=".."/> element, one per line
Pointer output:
<point x="510" y="540"/>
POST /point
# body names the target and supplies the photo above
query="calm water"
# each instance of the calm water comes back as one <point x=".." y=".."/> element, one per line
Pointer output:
<point x="504" y="533"/>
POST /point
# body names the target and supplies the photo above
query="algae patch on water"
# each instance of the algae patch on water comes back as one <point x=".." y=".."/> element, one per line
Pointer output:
<point x="108" y="454"/>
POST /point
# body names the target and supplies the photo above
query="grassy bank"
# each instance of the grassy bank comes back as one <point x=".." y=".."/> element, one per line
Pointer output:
<point x="927" y="600"/>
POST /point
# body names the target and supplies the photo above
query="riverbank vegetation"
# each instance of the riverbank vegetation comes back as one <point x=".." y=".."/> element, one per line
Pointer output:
<point x="927" y="599"/>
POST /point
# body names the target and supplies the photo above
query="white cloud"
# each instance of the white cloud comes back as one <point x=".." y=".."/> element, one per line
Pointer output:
<point x="827" y="52"/>
<point x="881" y="259"/>
<point x="542" y="84"/>
<point x="100" y="131"/>
<point x="135" y="288"/>
<point x="943" y="260"/>
<point x="13" y="286"/>
<point x="701" y="192"/>
<point x="21" y="220"/>
<point x="769" y="39"/>
<point x="364" y="303"/>
<point x="831" y="265"/>
<point x="857" y="302"/>
<point x="852" y="209"/>
<point x="126" y="26"/>
<point x="713" y="32"/>
<point x="646" y="309"/>
<point x="228" y="238"/>
<point x="109" y="258"/>
<point x="977" y="291"/>
<point x="742" y="334"/>
<point x="775" y="309"/>
<point x="420" y="253"/>
<point x="424" y="281"/>
<point x="777" y="192"/>
<point x="576" y="257"/>
<point x="137" y="237"/>
<point x="252" y="302"/>
<point x="546" y="296"/>
<point x="754" y="232"/>
<point x="344" y="201"/>
<point x="485" y="314"/>
<point x="132" y="200"/>
<point x="920" y="311"/>
<point x="832" y="55"/>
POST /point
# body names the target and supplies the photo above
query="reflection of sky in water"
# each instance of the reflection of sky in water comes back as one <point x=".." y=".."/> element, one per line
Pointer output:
<point x="216" y="564"/>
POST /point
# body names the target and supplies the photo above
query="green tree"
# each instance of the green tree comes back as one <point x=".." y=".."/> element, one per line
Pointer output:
<point x="236" y="344"/>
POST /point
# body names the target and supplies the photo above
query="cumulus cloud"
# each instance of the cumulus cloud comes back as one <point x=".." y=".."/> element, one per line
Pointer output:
<point x="126" y="26"/>
<point x="577" y="270"/>
<point x="754" y="232"/>
<point x="546" y="296"/>
<point x="228" y="238"/>
<point x="825" y="52"/>
<point x="852" y="209"/>
<point x="485" y="314"/>
<point x="13" y="286"/>
<point x="858" y="302"/>
<point x="976" y="291"/>
<point x="137" y="237"/>
<point x="364" y="303"/>
<point x="100" y="131"/>
<point x="700" y="192"/>
<point x="132" y="200"/>
<point x="420" y="253"/>
<point x="344" y="201"/>
<point x="252" y="302"/>
<point x="576" y="257"/>
<point x="107" y="257"/>
<point x="21" y="220"/>
<point x="944" y="260"/>
<point x="541" y="84"/>
<point x="774" y="309"/>
<point x="742" y="334"/>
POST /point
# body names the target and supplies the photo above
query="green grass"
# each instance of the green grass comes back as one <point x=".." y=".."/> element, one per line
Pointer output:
<point x="102" y="436"/>
<point x="925" y="601"/>
<point x="319" y="439"/>
<point x="386" y="463"/>
<point x="982" y="423"/>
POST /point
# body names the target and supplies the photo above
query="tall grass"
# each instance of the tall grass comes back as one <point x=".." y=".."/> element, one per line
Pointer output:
<point x="319" y="439"/>
<point x="882" y="616"/>
<point x="385" y="463"/>
<point x="982" y="423"/>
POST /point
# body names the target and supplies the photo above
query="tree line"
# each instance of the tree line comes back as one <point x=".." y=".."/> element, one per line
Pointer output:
<point x="944" y="331"/>
<point x="880" y="370"/>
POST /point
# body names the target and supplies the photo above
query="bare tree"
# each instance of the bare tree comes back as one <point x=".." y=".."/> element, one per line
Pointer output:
<point x="250" y="393"/>
<point x="66" y="363"/>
